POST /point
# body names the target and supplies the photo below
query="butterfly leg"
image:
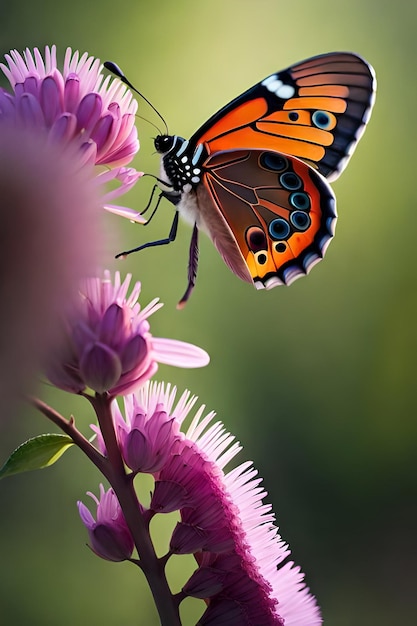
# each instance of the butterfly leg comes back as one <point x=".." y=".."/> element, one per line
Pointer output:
<point x="192" y="268"/>
<point x="154" y="188"/>
<point x="158" y="242"/>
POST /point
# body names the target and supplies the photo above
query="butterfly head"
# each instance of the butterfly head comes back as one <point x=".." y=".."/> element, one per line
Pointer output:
<point x="168" y="143"/>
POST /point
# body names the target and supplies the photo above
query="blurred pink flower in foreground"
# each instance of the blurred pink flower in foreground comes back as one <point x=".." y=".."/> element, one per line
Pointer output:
<point x="77" y="105"/>
<point x="108" y="345"/>
<point x="63" y="136"/>
<point x="49" y="239"/>
<point x="243" y="573"/>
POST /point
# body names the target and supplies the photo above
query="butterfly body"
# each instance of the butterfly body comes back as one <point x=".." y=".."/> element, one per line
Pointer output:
<point x="255" y="176"/>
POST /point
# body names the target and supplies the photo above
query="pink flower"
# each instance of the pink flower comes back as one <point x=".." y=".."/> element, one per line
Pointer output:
<point x="109" y="536"/>
<point x="109" y="347"/>
<point x="224" y="521"/>
<point x="75" y="105"/>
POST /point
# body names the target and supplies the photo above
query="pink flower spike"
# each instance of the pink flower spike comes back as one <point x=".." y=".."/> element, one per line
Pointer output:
<point x="243" y="574"/>
<point x="109" y="535"/>
<point x="109" y="347"/>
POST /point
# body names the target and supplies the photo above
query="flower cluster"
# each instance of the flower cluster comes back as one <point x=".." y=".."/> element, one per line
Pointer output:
<point x="223" y="519"/>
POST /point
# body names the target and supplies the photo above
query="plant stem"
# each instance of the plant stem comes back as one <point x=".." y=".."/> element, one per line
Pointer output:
<point x="152" y="567"/>
<point x="68" y="426"/>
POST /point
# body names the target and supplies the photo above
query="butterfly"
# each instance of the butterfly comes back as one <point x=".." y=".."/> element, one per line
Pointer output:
<point x="255" y="176"/>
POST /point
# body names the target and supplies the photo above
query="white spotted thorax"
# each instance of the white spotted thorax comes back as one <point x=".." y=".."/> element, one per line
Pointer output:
<point x="278" y="87"/>
<point x="179" y="166"/>
<point x="182" y="172"/>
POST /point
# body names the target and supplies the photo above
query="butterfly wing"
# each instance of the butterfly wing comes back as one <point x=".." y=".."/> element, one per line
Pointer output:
<point x="315" y="110"/>
<point x="270" y="215"/>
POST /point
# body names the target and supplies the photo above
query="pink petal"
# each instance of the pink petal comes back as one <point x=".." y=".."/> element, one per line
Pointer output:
<point x="100" y="367"/>
<point x="123" y="211"/>
<point x="85" y="514"/>
<point x="30" y="112"/>
<point x="89" y="111"/>
<point x="64" y="127"/>
<point x="72" y="93"/>
<point x="179" y="353"/>
<point x="50" y="99"/>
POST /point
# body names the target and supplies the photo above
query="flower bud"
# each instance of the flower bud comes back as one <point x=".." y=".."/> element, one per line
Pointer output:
<point x="110" y="537"/>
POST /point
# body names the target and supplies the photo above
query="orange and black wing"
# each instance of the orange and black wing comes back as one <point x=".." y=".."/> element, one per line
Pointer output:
<point x="315" y="110"/>
<point x="268" y="213"/>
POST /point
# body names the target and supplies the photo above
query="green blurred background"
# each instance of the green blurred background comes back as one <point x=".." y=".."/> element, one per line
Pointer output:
<point x="317" y="380"/>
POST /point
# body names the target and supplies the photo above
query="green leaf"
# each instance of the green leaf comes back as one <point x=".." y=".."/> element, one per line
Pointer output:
<point x="36" y="453"/>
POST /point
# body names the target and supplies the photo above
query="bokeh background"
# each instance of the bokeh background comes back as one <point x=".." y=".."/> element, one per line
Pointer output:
<point x="317" y="380"/>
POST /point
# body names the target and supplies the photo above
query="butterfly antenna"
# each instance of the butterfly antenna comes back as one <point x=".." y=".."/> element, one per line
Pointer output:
<point x="140" y="117"/>
<point x="115" y="69"/>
